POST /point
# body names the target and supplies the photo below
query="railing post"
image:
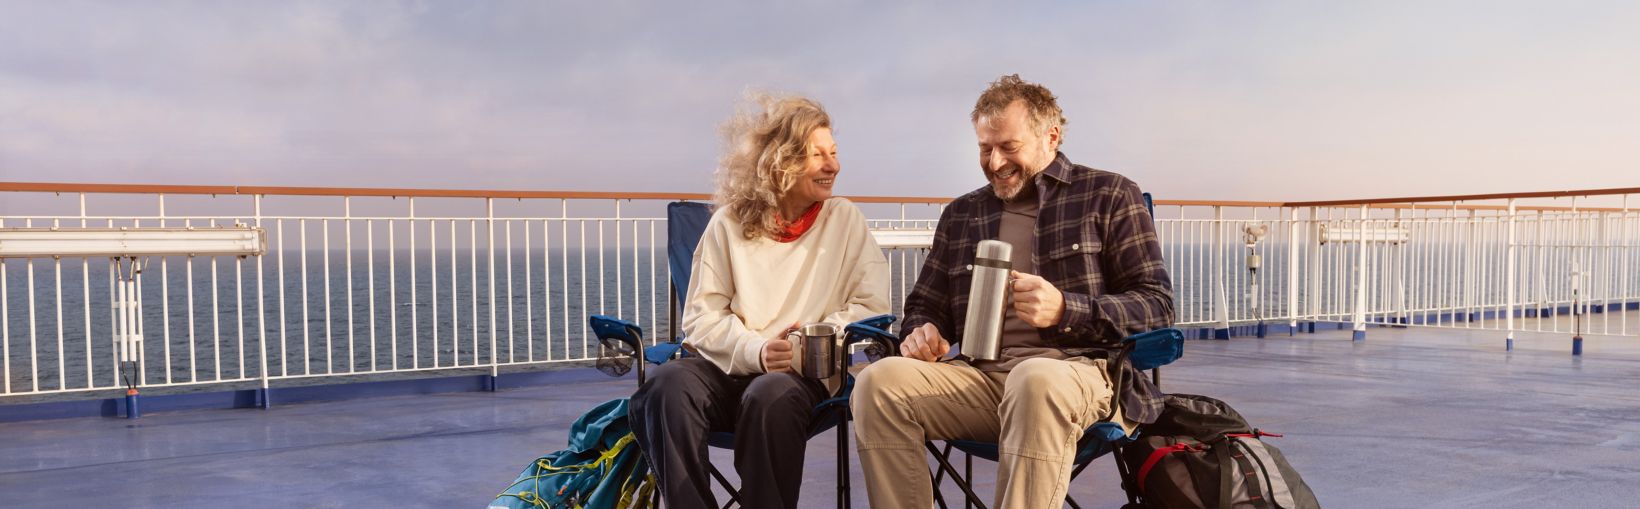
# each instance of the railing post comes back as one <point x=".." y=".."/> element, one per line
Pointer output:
<point x="347" y="249"/>
<point x="1473" y="266"/>
<point x="1623" y="292"/>
<point x="1541" y="302"/>
<point x="1577" y="280"/>
<point x="1255" y="295"/>
<point x="1292" y="270"/>
<point x="1360" y="318"/>
<point x="262" y="315"/>
<point x="1602" y="245"/>
<point x="1509" y="282"/>
<point x="124" y="336"/>
<point x="1221" y="308"/>
<point x="489" y="225"/>
<point x="1401" y="267"/>
<point x="1314" y="247"/>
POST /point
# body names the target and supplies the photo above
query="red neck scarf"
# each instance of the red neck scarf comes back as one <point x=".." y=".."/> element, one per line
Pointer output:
<point x="795" y="229"/>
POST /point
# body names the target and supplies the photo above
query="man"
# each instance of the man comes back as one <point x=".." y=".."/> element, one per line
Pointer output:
<point x="1087" y="272"/>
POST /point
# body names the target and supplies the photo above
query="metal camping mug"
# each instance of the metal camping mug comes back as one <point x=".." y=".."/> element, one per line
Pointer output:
<point x="819" y="343"/>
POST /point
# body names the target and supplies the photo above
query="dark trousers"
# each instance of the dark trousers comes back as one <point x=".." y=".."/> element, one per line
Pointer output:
<point x="686" y="398"/>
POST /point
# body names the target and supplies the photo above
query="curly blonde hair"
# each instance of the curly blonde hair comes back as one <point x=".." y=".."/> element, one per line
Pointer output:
<point x="1041" y="104"/>
<point x="765" y="145"/>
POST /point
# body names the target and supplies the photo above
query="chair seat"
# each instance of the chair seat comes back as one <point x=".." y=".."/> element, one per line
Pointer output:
<point x="1096" y="442"/>
<point x="826" y="416"/>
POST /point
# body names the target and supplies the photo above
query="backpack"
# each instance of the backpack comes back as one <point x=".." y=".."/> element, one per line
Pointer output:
<point x="1200" y="453"/>
<point x="603" y="468"/>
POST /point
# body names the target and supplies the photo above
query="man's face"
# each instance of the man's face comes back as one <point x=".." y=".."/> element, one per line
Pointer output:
<point x="1011" y="152"/>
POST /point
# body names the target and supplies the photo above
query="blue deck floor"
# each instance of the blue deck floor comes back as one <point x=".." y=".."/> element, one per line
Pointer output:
<point x="1408" y="418"/>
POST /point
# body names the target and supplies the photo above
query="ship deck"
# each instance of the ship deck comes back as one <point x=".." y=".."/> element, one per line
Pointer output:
<point x="1415" y="417"/>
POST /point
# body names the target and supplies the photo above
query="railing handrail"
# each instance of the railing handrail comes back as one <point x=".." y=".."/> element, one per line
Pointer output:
<point x="64" y="187"/>
<point x="1469" y="197"/>
<point x="1403" y="202"/>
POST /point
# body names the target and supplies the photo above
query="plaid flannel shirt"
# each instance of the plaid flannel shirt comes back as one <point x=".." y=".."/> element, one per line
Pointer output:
<point x="1095" y="242"/>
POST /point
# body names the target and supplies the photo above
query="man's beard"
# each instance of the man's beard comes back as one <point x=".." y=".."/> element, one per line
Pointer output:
<point x="1009" y="192"/>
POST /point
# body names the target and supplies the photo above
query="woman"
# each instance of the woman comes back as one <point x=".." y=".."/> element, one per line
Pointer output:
<point x="779" y="251"/>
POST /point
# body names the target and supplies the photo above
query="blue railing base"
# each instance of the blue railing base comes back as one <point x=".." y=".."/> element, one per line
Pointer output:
<point x="112" y="405"/>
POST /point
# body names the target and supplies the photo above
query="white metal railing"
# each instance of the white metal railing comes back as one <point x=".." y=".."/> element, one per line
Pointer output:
<point x="385" y="287"/>
<point x="1471" y="267"/>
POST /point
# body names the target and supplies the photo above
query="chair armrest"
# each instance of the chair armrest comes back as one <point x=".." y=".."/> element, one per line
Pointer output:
<point x="877" y="322"/>
<point x="874" y="331"/>
<point x="609" y="327"/>
<point x="1155" y="348"/>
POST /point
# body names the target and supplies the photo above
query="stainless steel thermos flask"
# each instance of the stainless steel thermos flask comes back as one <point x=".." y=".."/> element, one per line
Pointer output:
<point x="982" y="331"/>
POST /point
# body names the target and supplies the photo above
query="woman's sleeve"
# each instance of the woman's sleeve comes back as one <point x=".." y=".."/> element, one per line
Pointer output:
<point x="867" y="281"/>
<point x="711" y="330"/>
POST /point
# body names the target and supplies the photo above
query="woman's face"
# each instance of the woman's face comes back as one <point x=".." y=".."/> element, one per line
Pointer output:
<point x="820" y="168"/>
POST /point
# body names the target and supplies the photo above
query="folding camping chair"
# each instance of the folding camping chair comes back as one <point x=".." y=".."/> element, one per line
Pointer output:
<point x="685" y="223"/>
<point x="1147" y="351"/>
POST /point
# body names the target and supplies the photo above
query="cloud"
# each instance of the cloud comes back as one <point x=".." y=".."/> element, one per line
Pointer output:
<point x="1275" y="100"/>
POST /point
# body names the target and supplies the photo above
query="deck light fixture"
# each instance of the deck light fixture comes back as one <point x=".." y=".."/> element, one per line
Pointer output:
<point x="124" y="247"/>
<point x="235" y="240"/>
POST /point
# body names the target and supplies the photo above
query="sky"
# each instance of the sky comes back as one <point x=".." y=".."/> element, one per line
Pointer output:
<point x="1256" y="100"/>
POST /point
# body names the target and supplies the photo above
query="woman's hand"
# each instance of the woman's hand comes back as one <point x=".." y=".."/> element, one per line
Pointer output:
<point x="777" y="352"/>
<point x="925" y="343"/>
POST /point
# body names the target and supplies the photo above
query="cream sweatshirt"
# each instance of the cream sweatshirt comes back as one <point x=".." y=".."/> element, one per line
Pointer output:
<point x="744" y="292"/>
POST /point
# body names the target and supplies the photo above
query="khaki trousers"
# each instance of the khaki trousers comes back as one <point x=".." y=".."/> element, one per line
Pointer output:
<point x="1036" y="414"/>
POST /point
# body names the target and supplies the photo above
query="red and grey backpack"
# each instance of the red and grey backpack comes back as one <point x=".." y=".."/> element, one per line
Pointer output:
<point x="1200" y="453"/>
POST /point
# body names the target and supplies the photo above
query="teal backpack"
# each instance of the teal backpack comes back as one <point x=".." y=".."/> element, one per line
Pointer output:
<point x="603" y="468"/>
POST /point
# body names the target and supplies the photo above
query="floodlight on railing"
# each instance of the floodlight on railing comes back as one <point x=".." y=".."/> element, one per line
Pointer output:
<point x="235" y="240"/>
<point x="125" y="248"/>
<point x="912" y="238"/>
<point x="1369" y="234"/>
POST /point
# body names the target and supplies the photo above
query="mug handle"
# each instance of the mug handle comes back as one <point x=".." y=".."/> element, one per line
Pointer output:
<point x="795" y="337"/>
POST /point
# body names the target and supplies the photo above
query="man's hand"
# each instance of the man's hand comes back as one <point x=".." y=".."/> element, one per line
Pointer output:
<point x="925" y="343"/>
<point x="777" y="353"/>
<point x="1036" y="301"/>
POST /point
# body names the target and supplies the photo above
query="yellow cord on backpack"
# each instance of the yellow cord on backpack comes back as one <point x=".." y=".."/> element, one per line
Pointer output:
<point x="604" y="463"/>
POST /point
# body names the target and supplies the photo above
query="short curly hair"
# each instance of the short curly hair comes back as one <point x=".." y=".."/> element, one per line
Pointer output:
<point x="765" y="146"/>
<point x="1040" y="103"/>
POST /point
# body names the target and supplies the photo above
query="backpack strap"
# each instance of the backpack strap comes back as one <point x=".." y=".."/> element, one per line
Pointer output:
<point x="1275" y="483"/>
<point x="1156" y="457"/>
<point x="1221" y="455"/>
<point x="1256" y="485"/>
